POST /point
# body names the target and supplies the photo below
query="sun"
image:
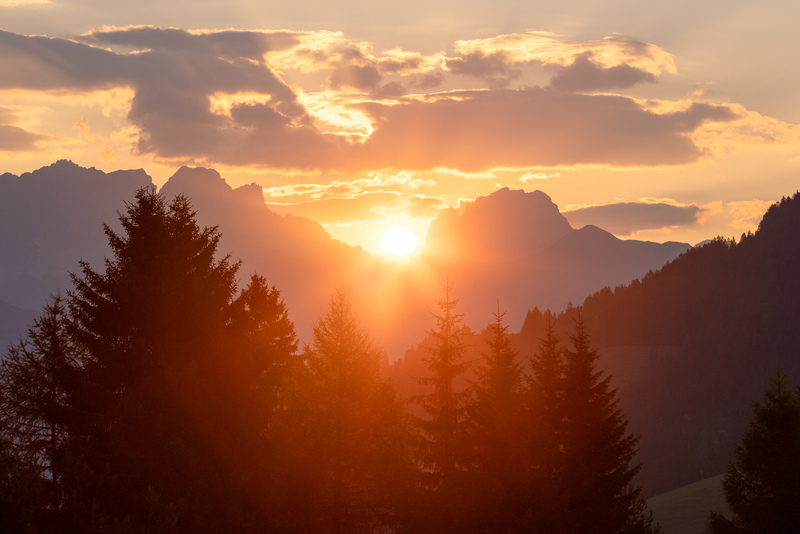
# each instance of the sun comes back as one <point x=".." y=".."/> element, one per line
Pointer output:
<point x="398" y="241"/>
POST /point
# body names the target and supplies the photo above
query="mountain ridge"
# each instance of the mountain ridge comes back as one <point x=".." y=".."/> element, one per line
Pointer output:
<point x="511" y="229"/>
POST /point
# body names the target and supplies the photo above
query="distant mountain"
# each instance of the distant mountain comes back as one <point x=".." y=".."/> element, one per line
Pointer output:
<point x="502" y="226"/>
<point x="51" y="218"/>
<point x="511" y="245"/>
<point x="516" y="247"/>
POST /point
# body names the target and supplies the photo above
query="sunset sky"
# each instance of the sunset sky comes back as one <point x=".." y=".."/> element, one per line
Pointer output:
<point x="662" y="120"/>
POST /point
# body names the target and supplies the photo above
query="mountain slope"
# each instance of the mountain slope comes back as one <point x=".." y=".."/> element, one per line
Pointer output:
<point x="707" y="330"/>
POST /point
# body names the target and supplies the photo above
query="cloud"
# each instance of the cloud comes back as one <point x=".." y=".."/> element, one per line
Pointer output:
<point x="14" y="138"/>
<point x="476" y="130"/>
<point x="374" y="182"/>
<point x="20" y="3"/>
<point x="546" y="49"/>
<point x="747" y="214"/>
<point x="538" y="177"/>
<point x="586" y="75"/>
<point x="45" y="64"/>
<point x="216" y="98"/>
<point x="364" y="77"/>
<point x="370" y="206"/>
<point x="626" y="218"/>
<point x="373" y="198"/>
<point x="495" y="66"/>
<point x="229" y="44"/>
<point x="424" y="207"/>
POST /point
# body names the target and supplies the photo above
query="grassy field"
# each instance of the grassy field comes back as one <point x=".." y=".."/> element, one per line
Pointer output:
<point x="685" y="510"/>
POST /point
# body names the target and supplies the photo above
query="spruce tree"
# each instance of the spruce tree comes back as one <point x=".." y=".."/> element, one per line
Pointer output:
<point x="35" y="379"/>
<point x="597" y="450"/>
<point x="167" y="409"/>
<point x="497" y="420"/>
<point x="444" y="453"/>
<point x="762" y="483"/>
<point x="544" y="403"/>
<point x="352" y="433"/>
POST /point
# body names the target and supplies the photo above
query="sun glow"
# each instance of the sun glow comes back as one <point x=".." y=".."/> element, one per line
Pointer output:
<point x="398" y="241"/>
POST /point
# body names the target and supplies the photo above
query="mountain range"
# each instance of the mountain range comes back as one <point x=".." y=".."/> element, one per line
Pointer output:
<point x="688" y="334"/>
<point x="53" y="217"/>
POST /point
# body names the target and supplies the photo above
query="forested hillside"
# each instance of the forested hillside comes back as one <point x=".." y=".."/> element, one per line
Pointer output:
<point x="707" y="330"/>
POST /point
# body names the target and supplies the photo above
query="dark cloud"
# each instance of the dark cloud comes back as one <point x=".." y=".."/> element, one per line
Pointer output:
<point x="494" y="67"/>
<point x="172" y="90"/>
<point x="394" y="65"/>
<point x="363" y="77"/>
<point x="480" y="64"/>
<point x="16" y="139"/>
<point x="484" y="129"/>
<point x="228" y="44"/>
<point x="42" y="63"/>
<point x="390" y="90"/>
<point x="625" y="218"/>
<point x="585" y="75"/>
<point x="429" y="80"/>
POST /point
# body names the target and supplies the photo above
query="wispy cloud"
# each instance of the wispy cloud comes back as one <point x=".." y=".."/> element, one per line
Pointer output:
<point x="21" y="3"/>
<point x="747" y="214"/>
<point x="14" y="137"/>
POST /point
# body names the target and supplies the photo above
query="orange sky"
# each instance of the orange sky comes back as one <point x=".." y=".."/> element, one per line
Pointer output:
<point x="680" y="126"/>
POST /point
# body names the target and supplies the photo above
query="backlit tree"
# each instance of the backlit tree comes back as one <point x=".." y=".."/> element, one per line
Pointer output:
<point x="762" y="484"/>
<point x="352" y="434"/>
<point x="595" y="471"/>
<point x="445" y="455"/>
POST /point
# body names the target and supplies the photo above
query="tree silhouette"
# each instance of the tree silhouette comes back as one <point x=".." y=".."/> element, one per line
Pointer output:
<point x="35" y="378"/>
<point x="23" y="491"/>
<point x="762" y="484"/>
<point x="498" y="426"/>
<point x="544" y="402"/>
<point x="444" y="454"/>
<point x="597" y="450"/>
<point x="352" y="432"/>
<point x="171" y="396"/>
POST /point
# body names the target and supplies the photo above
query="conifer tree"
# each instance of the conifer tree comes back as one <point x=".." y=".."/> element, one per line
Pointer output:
<point x="497" y="419"/>
<point x="34" y="408"/>
<point x="595" y="470"/>
<point x="444" y="453"/>
<point x="544" y="403"/>
<point x="352" y="432"/>
<point x="762" y="483"/>
<point x="164" y="426"/>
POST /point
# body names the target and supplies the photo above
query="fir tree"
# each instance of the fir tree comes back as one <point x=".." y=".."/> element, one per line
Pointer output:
<point x="35" y="378"/>
<point x="352" y="432"/>
<point x="171" y="397"/>
<point x="544" y="403"/>
<point x="762" y="484"/>
<point x="595" y="470"/>
<point x="444" y="454"/>
<point x="497" y="419"/>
